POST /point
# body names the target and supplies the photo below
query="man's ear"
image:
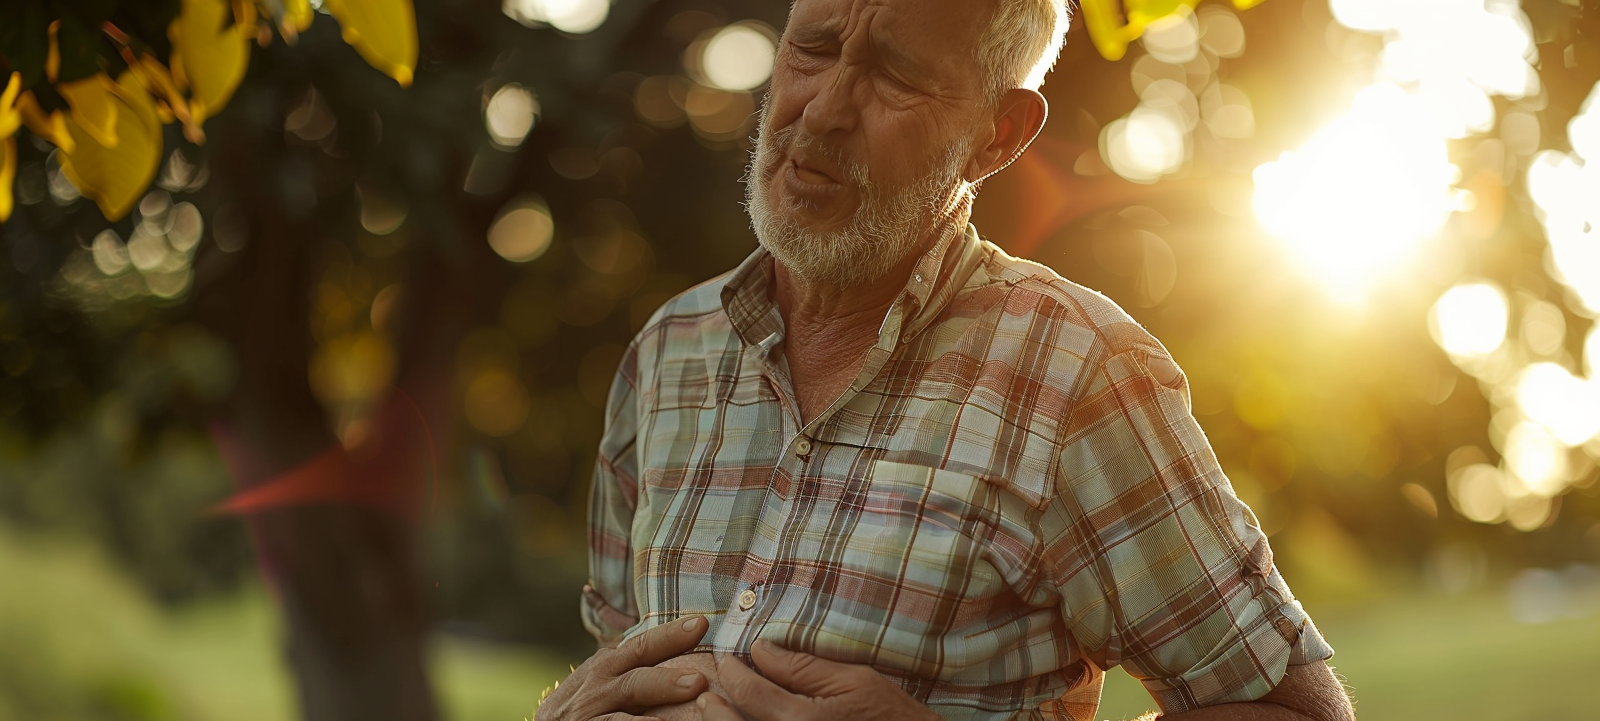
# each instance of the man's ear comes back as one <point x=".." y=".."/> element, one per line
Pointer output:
<point x="1018" y="118"/>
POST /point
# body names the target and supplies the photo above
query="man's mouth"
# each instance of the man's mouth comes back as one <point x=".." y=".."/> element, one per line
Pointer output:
<point x="810" y="167"/>
<point x="811" y="176"/>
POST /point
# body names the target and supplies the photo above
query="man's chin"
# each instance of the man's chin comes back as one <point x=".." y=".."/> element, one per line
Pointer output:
<point x="831" y="270"/>
<point x="812" y="217"/>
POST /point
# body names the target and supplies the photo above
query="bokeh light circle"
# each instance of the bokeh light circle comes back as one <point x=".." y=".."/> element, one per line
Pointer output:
<point x="1469" y="319"/>
<point x="511" y="115"/>
<point x="523" y="230"/>
<point x="738" y="57"/>
<point x="569" y="16"/>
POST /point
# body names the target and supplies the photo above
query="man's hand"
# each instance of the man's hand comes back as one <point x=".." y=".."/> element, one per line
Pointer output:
<point x="617" y="681"/>
<point x="806" y="688"/>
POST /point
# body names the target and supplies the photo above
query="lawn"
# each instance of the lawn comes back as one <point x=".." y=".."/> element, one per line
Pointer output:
<point x="76" y="641"/>
<point x="1414" y="656"/>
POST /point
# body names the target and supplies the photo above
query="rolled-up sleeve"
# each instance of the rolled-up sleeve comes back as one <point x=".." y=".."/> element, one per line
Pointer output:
<point x="1161" y="569"/>
<point x="608" y="606"/>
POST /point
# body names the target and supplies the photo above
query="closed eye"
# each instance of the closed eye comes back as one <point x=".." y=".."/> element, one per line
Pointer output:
<point x="817" y="52"/>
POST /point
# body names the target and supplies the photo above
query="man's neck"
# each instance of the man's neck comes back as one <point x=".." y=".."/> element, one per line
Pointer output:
<point x="812" y="309"/>
<point x="828" y="329"/>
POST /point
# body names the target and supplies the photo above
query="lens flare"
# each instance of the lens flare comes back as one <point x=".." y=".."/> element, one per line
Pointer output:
<point x="1356" y="200"/>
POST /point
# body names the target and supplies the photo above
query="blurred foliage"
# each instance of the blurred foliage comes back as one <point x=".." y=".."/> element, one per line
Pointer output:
<point x="498" y="230"/>
<point x="1115" y="23"/>
<point x="98" y="78"/>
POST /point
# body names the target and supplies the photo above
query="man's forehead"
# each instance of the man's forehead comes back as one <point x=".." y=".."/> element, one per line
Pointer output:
<point x="910" y="24"/>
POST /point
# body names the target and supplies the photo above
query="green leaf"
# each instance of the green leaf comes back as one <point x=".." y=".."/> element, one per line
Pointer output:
<point x="80" y="48"/>
<point x="49" y="100"/>
<point x="146" y="24"/>
<point x="25" y="40"/>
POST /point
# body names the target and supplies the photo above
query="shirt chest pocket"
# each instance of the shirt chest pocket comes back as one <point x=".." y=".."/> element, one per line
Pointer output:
<point x="907" y="565"/>
<point x="914" y="522"/>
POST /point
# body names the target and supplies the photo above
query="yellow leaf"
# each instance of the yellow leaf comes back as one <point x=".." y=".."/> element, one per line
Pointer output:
<point x="116" y="177"/>
<point x="94" y="107"/>
<point x="293" y="17"/>
<point x="383" y="31"/>
<point x="8" y="171"/>
<point x="10" y="116"/>
<point x="52" y="55"/>
<point x="1111" y="35"/>
<point x="1141" y="13"/>
<point x="52" y="127"/>
<point x="158" y="80"/>
<point x="298" y="13"/>
<point x="208" y="59"/>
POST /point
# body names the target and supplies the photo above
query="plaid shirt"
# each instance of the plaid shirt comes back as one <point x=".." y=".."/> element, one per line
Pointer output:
<point x="1011" y="496"/>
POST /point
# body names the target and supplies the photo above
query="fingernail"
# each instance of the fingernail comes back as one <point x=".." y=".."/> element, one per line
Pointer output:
<point x="688" y="680"/>
<point x="692" y="624"/>
<point x="700" y="703"/>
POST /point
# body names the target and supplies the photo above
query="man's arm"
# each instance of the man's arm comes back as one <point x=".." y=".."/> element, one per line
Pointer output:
<point x="802" y="687"/>
<point x="1309" y="692"/>
<point x="608" y="608"/>
<point x="1160" y="568"/>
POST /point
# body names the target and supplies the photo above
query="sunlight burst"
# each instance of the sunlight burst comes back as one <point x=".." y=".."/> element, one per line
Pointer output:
<point x="1356" y="200"/>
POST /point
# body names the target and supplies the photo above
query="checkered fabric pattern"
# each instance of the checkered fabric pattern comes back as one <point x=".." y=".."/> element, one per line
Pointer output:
<point x="1011" y="497"/>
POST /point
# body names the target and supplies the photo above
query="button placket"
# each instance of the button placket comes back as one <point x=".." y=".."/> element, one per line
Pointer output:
<point x="736" y="623"/>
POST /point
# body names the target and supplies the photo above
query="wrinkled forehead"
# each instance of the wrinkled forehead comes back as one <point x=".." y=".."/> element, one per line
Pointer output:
<point x="936" y="34"/>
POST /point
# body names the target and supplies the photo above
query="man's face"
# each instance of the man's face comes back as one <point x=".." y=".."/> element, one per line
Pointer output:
<point x="866" y="133"/>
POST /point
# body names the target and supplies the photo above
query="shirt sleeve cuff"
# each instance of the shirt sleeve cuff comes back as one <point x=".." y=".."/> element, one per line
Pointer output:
<point x="1310" y="647"/>
<point x="1249" y="666"/>
<point x="602" y="620"/>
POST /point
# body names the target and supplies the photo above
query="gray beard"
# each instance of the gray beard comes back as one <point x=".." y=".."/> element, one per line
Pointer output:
<point x="886" y="227"/>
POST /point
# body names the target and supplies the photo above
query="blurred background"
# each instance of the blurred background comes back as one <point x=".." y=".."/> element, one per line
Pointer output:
<point x="375" y="314"/>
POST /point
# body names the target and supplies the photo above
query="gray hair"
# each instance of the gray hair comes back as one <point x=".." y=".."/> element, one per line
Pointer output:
<point x="1021" y="43"/>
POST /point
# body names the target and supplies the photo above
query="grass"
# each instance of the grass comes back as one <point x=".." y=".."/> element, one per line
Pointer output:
<point x="1443" y="657"/>
<point x="79" y="642"/>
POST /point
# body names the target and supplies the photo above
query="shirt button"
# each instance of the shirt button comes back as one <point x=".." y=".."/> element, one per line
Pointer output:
<point x="747" y="599"/>
<point x="802" y="447"/>
<point x="917" y="277"/>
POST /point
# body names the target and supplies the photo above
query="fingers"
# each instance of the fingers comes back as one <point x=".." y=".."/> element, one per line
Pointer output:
<point x="659" y="644"/>
<point x="644" y="688"/>
<point x="619" y="716"/>
<point x="805" y="674"/>
<point x="621" y="679"/>
<point x="757" y="697"/>
<point x="713" y="708"/>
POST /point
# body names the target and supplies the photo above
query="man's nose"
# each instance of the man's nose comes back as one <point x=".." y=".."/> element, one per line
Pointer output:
<point x="833" y="110"/>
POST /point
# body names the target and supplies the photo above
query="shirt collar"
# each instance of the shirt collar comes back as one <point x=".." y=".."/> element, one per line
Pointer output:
<point x="939" y="274"/>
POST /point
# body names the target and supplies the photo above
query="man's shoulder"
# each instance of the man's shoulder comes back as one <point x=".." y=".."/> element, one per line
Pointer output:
<point x="699" y="304"/>
<point x="1034" y="291"/>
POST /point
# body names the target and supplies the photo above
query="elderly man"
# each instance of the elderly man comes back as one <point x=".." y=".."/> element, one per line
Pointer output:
<point x="903" y="474"/>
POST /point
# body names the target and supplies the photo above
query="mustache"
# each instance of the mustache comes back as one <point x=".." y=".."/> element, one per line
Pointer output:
<point x="779" y="142"/>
